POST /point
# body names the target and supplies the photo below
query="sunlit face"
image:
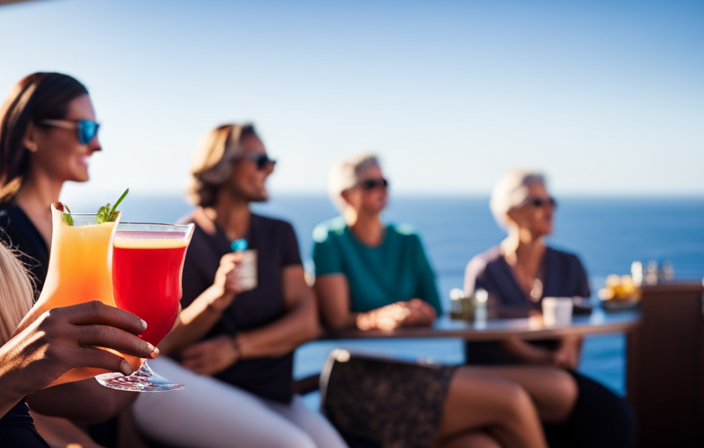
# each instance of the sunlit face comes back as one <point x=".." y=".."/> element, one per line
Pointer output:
<point x="247" y="180"/>
<point x="370" y="200"/>
<point x="58" y="152"/>
<point x="537" y="219"/>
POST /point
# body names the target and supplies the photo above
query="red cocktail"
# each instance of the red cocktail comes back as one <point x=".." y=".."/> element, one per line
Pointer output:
<point x="137" y="257"/>
<point x="147" y="263"/>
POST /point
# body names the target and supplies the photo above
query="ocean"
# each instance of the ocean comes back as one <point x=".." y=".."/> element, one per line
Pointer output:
<point x="607" y="233"/>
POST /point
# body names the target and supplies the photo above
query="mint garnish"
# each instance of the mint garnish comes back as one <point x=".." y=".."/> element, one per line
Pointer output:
<point x="108" y="213"/>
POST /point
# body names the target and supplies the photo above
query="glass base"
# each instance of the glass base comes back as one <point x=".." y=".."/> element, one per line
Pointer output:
<point x="142" y="380"/>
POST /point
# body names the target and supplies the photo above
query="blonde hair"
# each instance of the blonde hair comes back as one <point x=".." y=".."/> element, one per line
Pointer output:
<point x="15" y="293"/>
<point x="212" y="161"/>
<point x="511" y="191"/>
<point x="344" y="174"/>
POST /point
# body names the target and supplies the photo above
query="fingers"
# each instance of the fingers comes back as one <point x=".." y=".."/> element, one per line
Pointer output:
<point x="101" y="359"/>
<point x="231" y="258"/>
<point x="421" y="312"/>
<point x="97" y="313"/>
<point x="195" y="358"/>
<point x="114" y="338"/>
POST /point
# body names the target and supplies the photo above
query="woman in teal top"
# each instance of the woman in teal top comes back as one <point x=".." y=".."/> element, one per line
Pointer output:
<point x="396" y="270"/>
<point x="372" y="275"/>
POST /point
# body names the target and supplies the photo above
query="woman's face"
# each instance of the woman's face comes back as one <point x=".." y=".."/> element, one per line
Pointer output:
<point x="248" y="179"/>
<point x="536" y="213"/>
<point x="370" y="194"/>
<point x="58" y="152"/>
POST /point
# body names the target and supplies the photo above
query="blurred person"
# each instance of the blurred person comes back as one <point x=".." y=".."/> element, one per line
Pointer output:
<point x="373" y="275"/>
<point x="234" y="348"/>
<point x="58" y="341"/>
<point x="518" y="274"/>
<point x="48" y="134"/>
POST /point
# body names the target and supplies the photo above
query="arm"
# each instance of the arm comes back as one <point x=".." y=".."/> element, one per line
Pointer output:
<point x="198" y="318"/>
<point x="427" y="288"/>
<point x="527" y="352"/>
<point x="334" y="301"/>
<point x="83" y="401"/>
<point x="297" y="326"/>
<point x="63" y="339"/>
<point x="568" y="354"/>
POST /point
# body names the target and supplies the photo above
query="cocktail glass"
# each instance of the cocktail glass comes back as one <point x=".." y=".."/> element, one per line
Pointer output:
<point x="79" y="271"/>
<point x="146" y="273"/>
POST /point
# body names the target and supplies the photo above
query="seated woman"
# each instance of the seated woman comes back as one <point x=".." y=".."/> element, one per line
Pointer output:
<point x="517" y="274"/>
<point x="234" y="349"/>
<point x="58" y="341"/>
<point x="373" y="275"/>
<point x="48" y="134"/>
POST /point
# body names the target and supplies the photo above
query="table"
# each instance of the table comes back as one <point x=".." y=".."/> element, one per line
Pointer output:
<point x="598" y="322"/>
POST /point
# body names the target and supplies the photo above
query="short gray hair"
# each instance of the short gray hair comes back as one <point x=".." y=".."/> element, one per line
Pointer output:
<point x="511" y="191"/>
<point x="344" y="174"/>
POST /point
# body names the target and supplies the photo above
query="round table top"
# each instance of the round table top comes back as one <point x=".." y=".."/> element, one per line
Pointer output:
<point x="529" y="328"/>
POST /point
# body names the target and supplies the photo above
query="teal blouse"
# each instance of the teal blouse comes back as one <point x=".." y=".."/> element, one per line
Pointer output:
<point x="397" y="270"/>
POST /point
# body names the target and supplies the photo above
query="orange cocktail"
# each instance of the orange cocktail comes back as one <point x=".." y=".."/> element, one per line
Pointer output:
<point x="79" y="271"/>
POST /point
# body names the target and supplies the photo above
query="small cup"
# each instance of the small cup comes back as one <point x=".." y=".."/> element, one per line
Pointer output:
<point x="557" y="311"/>
<point x="247" y="270"/>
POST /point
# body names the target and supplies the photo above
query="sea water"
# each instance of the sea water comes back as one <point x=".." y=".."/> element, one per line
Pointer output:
<point x="607" y="234"/>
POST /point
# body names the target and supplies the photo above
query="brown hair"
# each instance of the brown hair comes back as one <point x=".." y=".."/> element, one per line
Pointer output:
<point x="212" y="161"/>
<point x="35" y="97"/>
<point x="15" y="293"/>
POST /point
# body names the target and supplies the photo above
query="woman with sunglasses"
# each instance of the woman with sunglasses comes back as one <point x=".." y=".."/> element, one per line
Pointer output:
<point x="373" y="275"/>
<point x="517" y="274"/>
<point x="234" y="348"/>
<point x="48" y="134"/>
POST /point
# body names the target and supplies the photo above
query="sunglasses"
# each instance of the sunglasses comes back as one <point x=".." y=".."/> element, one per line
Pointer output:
<point x="371" y="184"/>
<point x="541" y="202"/>
<point x="261" y="160"/>
<point x="86" y="130"/>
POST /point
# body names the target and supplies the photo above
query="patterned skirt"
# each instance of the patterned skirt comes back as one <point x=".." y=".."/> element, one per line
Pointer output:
<point x="393" y="403"/>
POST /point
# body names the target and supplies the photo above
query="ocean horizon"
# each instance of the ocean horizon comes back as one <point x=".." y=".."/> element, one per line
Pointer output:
<point x="607" y="233"/>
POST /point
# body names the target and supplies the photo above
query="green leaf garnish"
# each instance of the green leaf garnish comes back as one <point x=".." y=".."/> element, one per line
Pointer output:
<point x="108" y="213"/>
<point x="68" y="219"/>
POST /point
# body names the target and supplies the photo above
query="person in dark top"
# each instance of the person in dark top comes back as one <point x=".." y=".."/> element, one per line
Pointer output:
<point x="234" y="348"/>
<point x="18" y="231"/>
<point x="48" y="134"/>
<point x="518" y="274"/>
<point x="51" y="346"/>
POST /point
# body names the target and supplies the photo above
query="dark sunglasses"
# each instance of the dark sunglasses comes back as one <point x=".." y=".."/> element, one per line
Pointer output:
<point x="261" y="160"/>
<point x="86" y="130"/>
<point x="371" y="184"/>
<point x="541" y="202"/>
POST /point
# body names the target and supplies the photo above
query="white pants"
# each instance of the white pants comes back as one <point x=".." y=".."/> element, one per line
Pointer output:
<point x="209" y="413"/>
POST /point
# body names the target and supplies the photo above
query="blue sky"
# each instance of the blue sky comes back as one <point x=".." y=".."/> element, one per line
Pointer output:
<point x="605" y="97"/>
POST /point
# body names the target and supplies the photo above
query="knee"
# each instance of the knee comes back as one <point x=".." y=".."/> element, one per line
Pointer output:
<point x="564" y="394"/>
<point x="517" y="402"/>
<point x="482" y="440"/>
<point x="295" y="439"/>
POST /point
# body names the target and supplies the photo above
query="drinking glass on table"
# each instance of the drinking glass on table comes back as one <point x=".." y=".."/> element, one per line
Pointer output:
<point x="147" y="264"/>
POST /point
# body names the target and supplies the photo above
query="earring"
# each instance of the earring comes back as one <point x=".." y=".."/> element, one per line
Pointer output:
<point x="32" y="147"/>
